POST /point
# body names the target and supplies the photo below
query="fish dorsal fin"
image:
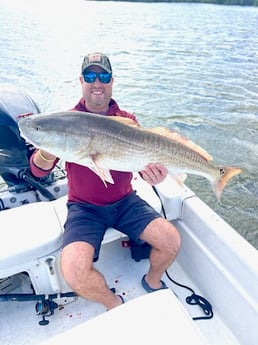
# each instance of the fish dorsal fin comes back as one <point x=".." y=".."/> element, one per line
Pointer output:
<point x="168" y="133"/>
<point x="175" y="136"/>
<point x="125" y="120"/>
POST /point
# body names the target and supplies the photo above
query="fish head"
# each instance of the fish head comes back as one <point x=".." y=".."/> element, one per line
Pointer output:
<point x="36" y="130"/>
<point x="57" y="134"/>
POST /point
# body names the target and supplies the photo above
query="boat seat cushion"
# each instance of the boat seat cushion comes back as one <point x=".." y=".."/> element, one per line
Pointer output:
<point x="28" y="232"/>
<point x="155" y="318"/>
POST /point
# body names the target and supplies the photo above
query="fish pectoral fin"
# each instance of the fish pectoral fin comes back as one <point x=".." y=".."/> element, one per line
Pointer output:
<point x="103" y="174"/>
<point x="177" y="137"/>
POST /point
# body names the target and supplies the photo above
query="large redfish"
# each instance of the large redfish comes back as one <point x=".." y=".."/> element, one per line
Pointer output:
<point x="104" y="143"/>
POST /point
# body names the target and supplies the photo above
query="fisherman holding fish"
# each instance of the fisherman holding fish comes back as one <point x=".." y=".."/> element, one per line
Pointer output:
<point x="93" y="206"/>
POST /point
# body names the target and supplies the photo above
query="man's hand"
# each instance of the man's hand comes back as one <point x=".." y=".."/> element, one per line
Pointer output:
<point x="154" y="173"/>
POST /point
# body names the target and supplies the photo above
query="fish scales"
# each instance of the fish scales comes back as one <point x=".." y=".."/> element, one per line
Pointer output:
<point x="125" y="141"/>
<point x="136" y="148"/>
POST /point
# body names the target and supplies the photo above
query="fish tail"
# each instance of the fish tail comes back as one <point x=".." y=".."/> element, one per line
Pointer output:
<point x="226" y="173"/>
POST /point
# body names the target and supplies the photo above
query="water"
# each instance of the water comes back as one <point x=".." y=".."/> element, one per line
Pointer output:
<point x="191" y="67"/>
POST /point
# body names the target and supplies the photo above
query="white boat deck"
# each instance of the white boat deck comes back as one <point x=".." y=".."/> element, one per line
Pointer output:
<point x="19" y="322"/>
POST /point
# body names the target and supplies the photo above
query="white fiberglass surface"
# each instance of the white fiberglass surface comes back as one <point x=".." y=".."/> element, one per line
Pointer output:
<point x="19" y="322"/>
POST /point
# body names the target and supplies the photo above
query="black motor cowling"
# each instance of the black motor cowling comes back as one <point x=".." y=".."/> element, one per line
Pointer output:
<point x="14" y="151"/>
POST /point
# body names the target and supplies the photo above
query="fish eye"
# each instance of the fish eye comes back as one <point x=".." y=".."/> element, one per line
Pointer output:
<point x="37" y="128"/>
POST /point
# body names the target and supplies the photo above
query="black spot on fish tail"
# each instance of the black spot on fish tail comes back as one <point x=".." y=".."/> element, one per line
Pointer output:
<point x="226" y="173"/>
<point x="221" y="171"/>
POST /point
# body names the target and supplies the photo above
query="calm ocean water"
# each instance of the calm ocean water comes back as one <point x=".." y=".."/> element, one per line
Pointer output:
<point x="191" y="67"/>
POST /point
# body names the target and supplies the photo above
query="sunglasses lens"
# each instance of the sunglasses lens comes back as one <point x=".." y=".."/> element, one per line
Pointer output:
<point x="104" y="78"/>
<point x="89" y="77"/>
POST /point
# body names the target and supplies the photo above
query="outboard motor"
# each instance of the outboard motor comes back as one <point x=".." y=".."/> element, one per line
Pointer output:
<point x="14" y="151"/>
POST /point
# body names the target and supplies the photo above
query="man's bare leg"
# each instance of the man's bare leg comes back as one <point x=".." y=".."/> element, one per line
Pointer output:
<point x="83" y="278"/>
<point x="165" y="241"/>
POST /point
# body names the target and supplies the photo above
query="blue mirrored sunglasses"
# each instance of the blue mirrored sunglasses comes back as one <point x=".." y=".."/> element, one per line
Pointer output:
<point x="103" y="77"/>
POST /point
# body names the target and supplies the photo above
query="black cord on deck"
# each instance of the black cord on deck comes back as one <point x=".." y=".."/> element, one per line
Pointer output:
<point x="193" y="299"/>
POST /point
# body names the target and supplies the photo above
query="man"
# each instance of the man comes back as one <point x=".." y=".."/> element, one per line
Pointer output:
<point x="92" y="207"/>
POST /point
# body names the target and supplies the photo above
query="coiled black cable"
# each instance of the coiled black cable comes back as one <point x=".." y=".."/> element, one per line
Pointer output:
<point x="193" y="299"/>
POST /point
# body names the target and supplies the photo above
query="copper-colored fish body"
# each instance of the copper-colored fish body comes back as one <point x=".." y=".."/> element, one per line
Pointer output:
<point x="106" y="143"/>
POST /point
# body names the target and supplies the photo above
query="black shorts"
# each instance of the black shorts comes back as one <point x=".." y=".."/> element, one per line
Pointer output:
<point x="88" y="223"/>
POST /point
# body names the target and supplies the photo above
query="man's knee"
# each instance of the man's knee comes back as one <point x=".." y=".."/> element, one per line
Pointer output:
<point x="76" y="261"/>
<point x="171" y="238"/>
<point x="162" y="235"/>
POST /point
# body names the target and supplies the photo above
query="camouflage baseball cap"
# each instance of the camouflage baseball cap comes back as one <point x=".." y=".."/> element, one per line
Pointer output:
<point x="97" y="59"/>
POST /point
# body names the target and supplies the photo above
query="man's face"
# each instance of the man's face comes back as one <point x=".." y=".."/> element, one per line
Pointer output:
<point x="97" y="95"/>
